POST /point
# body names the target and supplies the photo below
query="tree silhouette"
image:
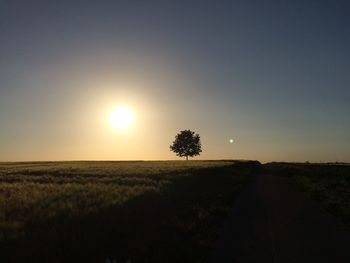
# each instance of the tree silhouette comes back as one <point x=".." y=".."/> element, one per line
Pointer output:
<point x="186" y="143"/>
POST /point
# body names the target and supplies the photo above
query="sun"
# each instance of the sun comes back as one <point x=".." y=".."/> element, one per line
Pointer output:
<point x="121" y="118"/>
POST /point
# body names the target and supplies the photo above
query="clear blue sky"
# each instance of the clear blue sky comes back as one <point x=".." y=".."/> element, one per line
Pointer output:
<point x="272" y="75"/>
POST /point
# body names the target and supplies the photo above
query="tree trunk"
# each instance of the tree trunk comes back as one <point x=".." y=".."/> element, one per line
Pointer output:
<point x="186" y="157"/>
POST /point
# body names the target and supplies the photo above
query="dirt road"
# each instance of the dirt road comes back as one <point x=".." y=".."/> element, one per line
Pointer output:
<point x="272" y="221"/>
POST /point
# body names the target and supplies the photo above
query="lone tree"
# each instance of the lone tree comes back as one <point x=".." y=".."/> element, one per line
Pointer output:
<point x="186" y="143"/>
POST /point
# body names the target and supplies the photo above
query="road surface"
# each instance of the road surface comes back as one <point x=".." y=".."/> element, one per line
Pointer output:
<point x="273" y="221"/>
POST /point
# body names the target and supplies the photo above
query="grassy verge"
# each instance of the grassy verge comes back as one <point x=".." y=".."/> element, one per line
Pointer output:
<point x="328" y="184"/>
<point x="138" y="211"/>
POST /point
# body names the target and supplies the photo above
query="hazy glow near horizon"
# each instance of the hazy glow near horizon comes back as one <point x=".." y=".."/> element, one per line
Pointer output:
<point x="121" y="118"/>
<point x="115" y="80"/>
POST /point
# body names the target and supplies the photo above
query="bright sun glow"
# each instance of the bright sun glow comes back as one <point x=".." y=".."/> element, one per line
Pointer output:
<point x="121" y="118"/>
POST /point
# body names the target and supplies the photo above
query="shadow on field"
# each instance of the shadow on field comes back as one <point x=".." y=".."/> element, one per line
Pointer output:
<point x="327" y="183"/>
<point x="176" y="224"/>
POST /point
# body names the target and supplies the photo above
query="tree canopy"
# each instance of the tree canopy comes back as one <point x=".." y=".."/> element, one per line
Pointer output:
<point x="186" y="143"/>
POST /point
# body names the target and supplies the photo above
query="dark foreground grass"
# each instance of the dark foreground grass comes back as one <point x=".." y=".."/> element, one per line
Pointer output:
<point x="137" y="211"/>
<point x="328" y="184"/>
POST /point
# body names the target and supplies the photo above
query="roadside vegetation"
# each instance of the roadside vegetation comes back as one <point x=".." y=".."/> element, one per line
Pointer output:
<point x="328" y="184"/>
<point x="94" y="211"/>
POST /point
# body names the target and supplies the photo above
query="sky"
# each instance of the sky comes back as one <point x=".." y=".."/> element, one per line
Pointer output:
<point x="271" y="75"/>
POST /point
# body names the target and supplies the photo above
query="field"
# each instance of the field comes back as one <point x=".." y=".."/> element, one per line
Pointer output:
<point x="166" y="211"/>
<point x="136" y="211"/>
<point x="329" y="184"/>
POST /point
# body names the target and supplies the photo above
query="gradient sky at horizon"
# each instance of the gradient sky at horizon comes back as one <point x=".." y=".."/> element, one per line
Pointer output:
<point x="272" y="75"/>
